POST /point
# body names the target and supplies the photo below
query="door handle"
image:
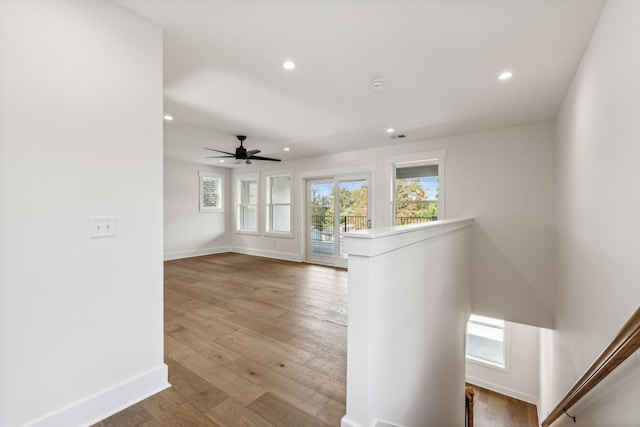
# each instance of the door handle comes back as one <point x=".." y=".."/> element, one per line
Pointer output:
<point x="369" y="223"/>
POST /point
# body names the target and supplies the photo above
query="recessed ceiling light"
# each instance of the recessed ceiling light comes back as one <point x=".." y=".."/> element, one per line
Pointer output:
<point x="505" y="75"/>
<point x="390" y="130"/>
<point x="168" y="117"/>
<point x="221" y="160"/>
<point x="288" y="65"/>
<point x="287" y="149"/>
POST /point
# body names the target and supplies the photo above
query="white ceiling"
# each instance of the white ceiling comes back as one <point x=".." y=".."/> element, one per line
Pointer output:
<point x="439" y="58"/>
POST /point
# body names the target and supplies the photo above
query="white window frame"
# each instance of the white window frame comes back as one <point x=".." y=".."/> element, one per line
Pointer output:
<point x="506" y="330"/>
<point x="436" y="157"/>
<point x="239" y="179"/>
<point x="202" y="177"/>
<point x="269" y="205"/>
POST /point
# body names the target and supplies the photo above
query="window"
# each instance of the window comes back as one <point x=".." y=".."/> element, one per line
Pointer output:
<point x="278" y="216"/>
<point x="416" y="192"/>
<point x="487" y="341"/>
<point x="247" y="212"/>
<point x="210" y="192"/>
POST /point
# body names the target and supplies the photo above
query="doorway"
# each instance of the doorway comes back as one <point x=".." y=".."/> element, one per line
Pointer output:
<point x="334" y="206"/>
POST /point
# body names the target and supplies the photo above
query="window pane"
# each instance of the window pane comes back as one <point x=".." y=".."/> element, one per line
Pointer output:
<point x="281" y="189"/>
<point x="280" y="218"/>
<point x="415" y="213"/>
<point x="249" y="192"/>
<point x="210" y="192"/>
<point x="485" y="340"/>
<point x="416" y="171"/>
<point x="249" y="218"/>
<point x="417" y="189"/>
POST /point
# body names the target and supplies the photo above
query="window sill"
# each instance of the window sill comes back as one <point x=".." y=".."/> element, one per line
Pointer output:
<point x="487" y="364"/>
<point x="276" y="234"/>
<point x="248" y="232"/>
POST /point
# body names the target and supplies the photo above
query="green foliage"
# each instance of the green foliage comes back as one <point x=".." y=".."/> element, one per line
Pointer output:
<point x="415" y="207"/>
<point x="353" y="202"/>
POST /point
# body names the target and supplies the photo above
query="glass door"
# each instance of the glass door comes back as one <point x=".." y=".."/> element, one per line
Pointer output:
<point x="335" y="206"/>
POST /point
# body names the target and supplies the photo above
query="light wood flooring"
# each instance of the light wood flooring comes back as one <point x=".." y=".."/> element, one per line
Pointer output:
<point x="497" y="410"/>
<point x="252" y="341"/>
<point x="249" y="341"/>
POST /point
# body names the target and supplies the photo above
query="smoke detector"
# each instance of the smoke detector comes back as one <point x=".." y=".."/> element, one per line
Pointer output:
<point x="377" y="84"/>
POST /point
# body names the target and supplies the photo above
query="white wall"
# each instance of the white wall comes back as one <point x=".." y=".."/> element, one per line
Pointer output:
<point x="80" y="135"/>
<point x="409" y="301"/>
<point x="598" y="228"/>
<point x="521" y="379"/>
<point x="504" y="179"/>
<point x="187" y="231"/>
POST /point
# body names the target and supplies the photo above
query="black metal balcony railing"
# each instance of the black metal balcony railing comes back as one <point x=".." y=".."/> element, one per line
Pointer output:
<point x="405" y="220"/>
<point x="322" y="225"/>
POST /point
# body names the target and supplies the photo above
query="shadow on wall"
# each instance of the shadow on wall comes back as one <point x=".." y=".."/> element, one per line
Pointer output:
<point x="499" y="290"/>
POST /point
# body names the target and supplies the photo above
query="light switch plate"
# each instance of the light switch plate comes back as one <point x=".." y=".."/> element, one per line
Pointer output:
<point x="102" y="226"/>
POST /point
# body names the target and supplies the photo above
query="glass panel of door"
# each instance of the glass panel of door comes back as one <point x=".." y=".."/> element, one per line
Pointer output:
<point x="335" y="206"/>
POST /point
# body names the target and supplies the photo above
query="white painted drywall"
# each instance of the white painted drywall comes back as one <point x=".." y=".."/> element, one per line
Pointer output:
<point x="521" y="379"/>
<point x="598" y="228"/>
<point x="409" y="301"/>
<point x="187" y="231"/>
<point x="80" y="135"/>
<point x="504" y="179"/>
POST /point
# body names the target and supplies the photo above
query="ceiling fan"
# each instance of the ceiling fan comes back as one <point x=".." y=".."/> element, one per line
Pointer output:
<point x="241" y="153"/>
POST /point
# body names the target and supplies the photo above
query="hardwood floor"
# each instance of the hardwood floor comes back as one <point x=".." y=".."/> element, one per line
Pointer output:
<point x="249" y="341"/>
<point x="497" y="410"/>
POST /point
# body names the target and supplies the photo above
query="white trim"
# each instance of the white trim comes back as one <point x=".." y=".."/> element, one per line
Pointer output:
<point x="267" y="254"/>
<point x="426" y="157"/>
<point x="380" y="423"/>
<point x="504" y="390"/>
<point x="364" y="171"/>
<point x="330" y="173"/>
<point x="282" y="235"/>
<point x="506" y="335"/>
<point x="196" y="252"/>
<point x="374" y="242"/>
<point x="268" y="205"/>
<point x="238" y="178"/>
<point x="281" y="172"/>
<point x="346" y="422"/>
<point x="101" y="405"/>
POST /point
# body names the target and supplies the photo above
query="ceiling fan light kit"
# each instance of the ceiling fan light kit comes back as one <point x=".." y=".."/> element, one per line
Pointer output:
<point x="241" y="154"/>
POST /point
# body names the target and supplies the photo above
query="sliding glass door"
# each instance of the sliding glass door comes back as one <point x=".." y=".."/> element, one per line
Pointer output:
<point x="335" y="205"/>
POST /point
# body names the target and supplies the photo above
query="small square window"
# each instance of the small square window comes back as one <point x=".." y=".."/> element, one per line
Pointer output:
<point x="487" y="341"/>
<point x="210" y="192"/>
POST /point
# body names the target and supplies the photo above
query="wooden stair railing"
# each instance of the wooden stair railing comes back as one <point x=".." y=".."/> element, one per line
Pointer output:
<point x="623" y="345"/>
<point x="469" y="392"/>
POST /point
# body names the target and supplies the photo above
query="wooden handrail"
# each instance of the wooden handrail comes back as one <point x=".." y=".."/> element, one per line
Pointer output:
<point x="469" y="394"/>
<point x="623" y="345"/>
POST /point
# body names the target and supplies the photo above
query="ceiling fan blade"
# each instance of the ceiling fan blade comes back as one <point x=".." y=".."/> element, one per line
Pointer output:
<point x="219" y="151"/>
<point x="252" y="153"/>
<point x="220" y="157"/>
<point x="265" y="158"/>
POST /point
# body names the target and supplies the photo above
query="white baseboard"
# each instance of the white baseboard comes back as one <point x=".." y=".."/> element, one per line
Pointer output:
<point x="268" y="254"/>
<point x="196" y="252"/>
<point x="93" y="409"/>
<point x="504" y="390"/>
<point x="345" y="422"/>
